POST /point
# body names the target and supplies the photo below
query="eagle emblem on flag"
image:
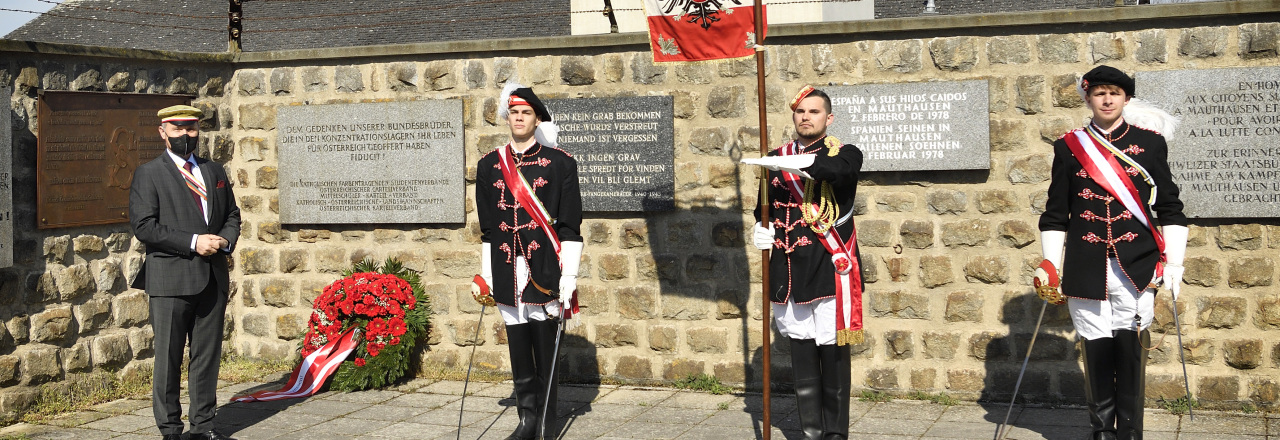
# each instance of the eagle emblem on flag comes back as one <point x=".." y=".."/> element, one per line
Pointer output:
<point x="700" y="12"/>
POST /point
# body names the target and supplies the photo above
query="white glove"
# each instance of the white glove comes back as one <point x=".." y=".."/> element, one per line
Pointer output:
<point x="1051" y="246"/>
<point x="1175" y="251"/>
<point x="762" y="237"/>
<point x="792" y="164"/>
<point x="570" y="260"/>
<point x="486" y="263"/>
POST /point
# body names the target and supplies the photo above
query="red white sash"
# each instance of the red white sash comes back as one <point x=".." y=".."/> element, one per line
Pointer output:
<point x="314" y="370"/>
<point x="848" y="272"/>
<point x="527" y="199"/>
<point x="1099" y="159"/>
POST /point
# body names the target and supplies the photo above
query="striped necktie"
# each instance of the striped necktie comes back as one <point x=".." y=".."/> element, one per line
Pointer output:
<point x="197" y="188"/>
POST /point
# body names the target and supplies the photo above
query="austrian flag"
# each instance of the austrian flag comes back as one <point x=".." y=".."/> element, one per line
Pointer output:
<point x="698" y="30"/>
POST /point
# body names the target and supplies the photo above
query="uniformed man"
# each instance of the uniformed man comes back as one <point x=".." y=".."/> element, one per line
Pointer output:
<point x="182" y="208"/>
<point x="815" y="281"/>
<point x="530" y="214"/>
<point x="1114" y="207"/>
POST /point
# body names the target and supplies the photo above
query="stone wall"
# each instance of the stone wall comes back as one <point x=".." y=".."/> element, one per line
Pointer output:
<point x="948" y="255"/>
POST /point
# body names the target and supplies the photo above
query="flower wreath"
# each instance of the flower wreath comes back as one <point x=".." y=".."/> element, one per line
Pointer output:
<point x="390" y="311"/>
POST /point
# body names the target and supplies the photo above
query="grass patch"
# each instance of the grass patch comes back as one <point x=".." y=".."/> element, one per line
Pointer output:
<point x="480" y="373"/>
<point x="1178" y="406"/>
<point x="722" y="406"/>
<point x="702" y="382"/>
<point x="15" y="437"/>
<point x="940" y="398"/>
<point x="1248" y="408"/>
<point x="240" y="369"/>
<point x="82" y="391"/>
<point x="875" y="396"/>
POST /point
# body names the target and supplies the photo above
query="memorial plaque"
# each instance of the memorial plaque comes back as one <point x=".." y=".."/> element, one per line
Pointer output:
<point x="380" y="162"/>
<point x="6" y="180"/>
<point x="625" y="149"/>
<point x="915" y="126"/>
<point x="87" y="149"/>
<point x="1225" y="155"/>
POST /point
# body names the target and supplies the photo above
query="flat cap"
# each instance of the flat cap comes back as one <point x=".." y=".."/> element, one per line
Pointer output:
<point x="179" y="114"/>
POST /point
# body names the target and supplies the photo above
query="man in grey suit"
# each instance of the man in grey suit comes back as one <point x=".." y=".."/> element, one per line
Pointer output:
<point x="183" y="209"/>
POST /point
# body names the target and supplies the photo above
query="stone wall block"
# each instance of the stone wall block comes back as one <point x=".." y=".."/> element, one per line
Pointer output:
<point x="88" y="244"/>
<point x="966" y="380"/>
<point x="635" y="234"/>
<point x="727" y="102"/>
<point x="1218" y="389"/>
<point x="958" y="54"/>
<point x="1007" y="134"/>
<point x="996" y="201"/>
<point x="56" y="247"/>
<point x="282" y="81"/>
<point x="1058" y="48"/>
<point x="256" y="324"/>
<point x="106" y="273"/>
<point x="279" y="292"/>
<point x="40" y="365"/>
<point x="615" y="335"/>
<point x="662" y="339"/>
<point x="1152" y="46"/>
<point x="875" y="233"/>
<point x="577" y="70"/>
<point x="1267" y="317"/>
<point x="898" y="344"/>
<point x="637" y="302"/>
<point x="1203" y="42"/>
<point x="141" y="342"/>
<point x="613" y="267"/>
<point x="1259" y="40"/>
<point x="314" y="79"/>
<point x="946" y="201"/>
<point x="899" y="304"/>
<point x="790" y="63"/>
<point x="882" y="379"/>
<point x="1105" y="47"/>
<point x="633" y="367"/>
<point x="935" y="270"/>
<point x="256" y="260"/>
<point x="294" y="260"/>
<point x="1030" y="94"/>
<point x="1202" y="271"/>
<point x="121" y="82"/>
<point x="614" y="68"/>
<point x="10" y="370"/>
<point x="1222" y="311"/>
<point x="964" y="306"/>
<point x="348" y="79"/>
<point x="257" y="116"/>
<point x="130" y="308"/>
<point x="291" y="326"/>
<point x="644" y="71"/>
<point x="475" y="75"/>
<point x="1066" y="92"/>
<point x="682" y="368"/>
<point x="899" y="268"/>
<point x="268" y="178"/>
<point x="898" y="56"/>
<point x="1008" y="50"/>
<point x="93" y="314"/>
<point x="402" y="77"/>
<point x="109" y="350"/>
<point x="1243" y="354"/>
<point x="708" y="340"/>
<point x="713" y="141"/>
<point x="940" y="345"/>
<point x="1265" y="392"/>
<point x="1240" y="237"/>
<point x="1242" y="272"/>
<point x="458" y="264"/>
<point x="251" y="82"/>
<point x="966" y="233"/>
<point x="1016" y="233"/>
<point x="990" y="346"/>
<point x="75" y="281"/>
<point x="1199" y="351"/>
<point x="987" y="269"/>
<point x="917" y="234"/>
<point x="823" y="59"/>
<point x="465" y="334"/>
<point x="52" y="325"/>
<point x="896" y="202"/>
<point x="270" y="232"/>
<point x="1029" y="169"/>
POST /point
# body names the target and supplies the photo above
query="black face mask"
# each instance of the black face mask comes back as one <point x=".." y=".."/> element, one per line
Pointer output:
<point x="184" y="145"/>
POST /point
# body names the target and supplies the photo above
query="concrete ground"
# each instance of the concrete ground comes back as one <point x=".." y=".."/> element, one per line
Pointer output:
<point x="426" y="409"/>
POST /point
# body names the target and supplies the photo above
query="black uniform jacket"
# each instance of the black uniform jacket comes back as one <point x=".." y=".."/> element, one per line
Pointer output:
<point x="800" y="268"/>
<point x="1098" y="226"/>
<point x="504" y="224"/>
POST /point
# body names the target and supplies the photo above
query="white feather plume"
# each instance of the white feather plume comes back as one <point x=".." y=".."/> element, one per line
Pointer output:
<point x="507" y="90"/>
<point x="547" y="133"/>
<point x="1143" y="114"/>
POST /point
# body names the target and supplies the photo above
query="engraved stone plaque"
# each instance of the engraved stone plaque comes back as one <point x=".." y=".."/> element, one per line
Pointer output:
<point x="87" y="149"/>
<point x="6" y="181"/>
<point x="1225" y="155"/>
<point x="624" y="148"/>
<point x="914" y="126"/>
<point x="380" y="162"/>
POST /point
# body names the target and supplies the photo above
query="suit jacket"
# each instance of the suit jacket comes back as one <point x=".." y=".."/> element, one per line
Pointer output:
<point x="553" y="173"/>
<point x="1098" y="226"/>
<point x="164" y="215"/>
<point x="801" y="269"/>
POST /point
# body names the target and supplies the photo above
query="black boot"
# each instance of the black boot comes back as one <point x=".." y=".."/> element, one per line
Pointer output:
<point x="1100" y="386"/>
<point x="806" y="366"/>
<point x="524" y="374"/>
<point x="544" y="350"/>
<point x="1131" y="366"/>
<point x="835" y="391"/>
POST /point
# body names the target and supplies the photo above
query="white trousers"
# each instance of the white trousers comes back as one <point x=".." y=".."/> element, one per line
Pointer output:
<point x="815" y="320"/>
<point x="523" y="313"/>
<point x="1124" y="309"/>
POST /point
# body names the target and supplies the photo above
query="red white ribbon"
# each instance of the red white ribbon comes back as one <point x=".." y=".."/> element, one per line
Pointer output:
<point x="1111" y="178"/>
<point x="314" y="370"/>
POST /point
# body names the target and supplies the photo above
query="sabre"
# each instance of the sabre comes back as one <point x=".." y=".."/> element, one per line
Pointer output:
<point x="480" y="291"/>
<point x="1182" y="357"/>
<point x="1000" y="431"/>
<point x="555" y="358"/>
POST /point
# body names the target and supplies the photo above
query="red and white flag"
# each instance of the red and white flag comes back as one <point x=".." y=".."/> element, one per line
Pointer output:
<point x="310" y="375"/>
<point x="697" y="30"/>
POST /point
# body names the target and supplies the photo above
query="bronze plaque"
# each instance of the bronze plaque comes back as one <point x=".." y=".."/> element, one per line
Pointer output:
<point x="88" y="146"/>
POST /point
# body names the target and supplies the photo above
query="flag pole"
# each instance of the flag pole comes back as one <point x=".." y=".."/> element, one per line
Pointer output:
<point x="758" y="12"/>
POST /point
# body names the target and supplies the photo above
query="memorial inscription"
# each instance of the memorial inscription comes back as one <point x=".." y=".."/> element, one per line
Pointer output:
<point x="6" y="181"/>
<point x="384" y="162"/>
<point x="87" y="149"/>
<point x="625" y="150"/>
<point x="914" y="126"/>
<point x="1224" y="155"/>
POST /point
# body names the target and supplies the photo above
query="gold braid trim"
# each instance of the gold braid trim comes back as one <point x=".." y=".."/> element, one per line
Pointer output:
<point x="849" y="337"/>
<point x="821" y="214"/>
